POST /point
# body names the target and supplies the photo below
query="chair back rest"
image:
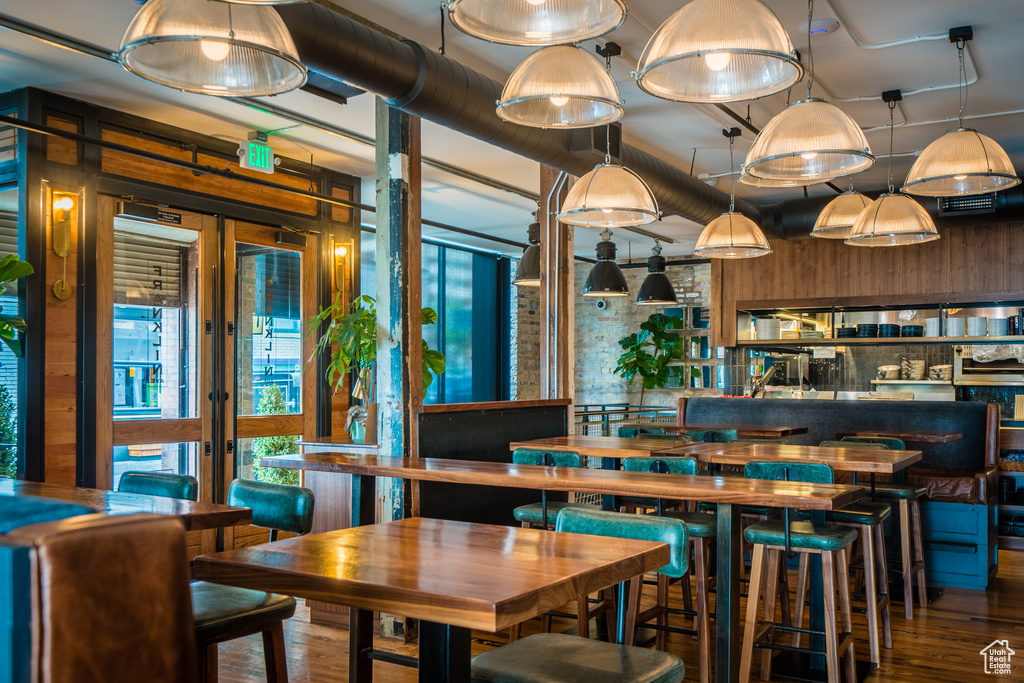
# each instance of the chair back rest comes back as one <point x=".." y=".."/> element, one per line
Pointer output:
<point x="663" y="465"/>
<point x="532" y="456"/>
<point x="18" y="511"/>
<point x="110" y="600"/>
<point x="762" y="439"/>
<point x="889" y="442"/>
<point x="181" y="486"/>
<point x="806" y="472"/>
<point x="274" y="506"/>
<point x="852" y="444"/>
<point x="713" y="435"/>
<point x="638" y="527"/>
<point x="634" y="432"/>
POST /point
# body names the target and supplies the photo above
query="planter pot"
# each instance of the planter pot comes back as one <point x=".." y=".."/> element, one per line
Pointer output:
<point x="357" y="432"/>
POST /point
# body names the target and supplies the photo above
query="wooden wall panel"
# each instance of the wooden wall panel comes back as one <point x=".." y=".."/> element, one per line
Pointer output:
<point x="341" y="214"/>
<point x="60" y="150"/>
<point x="133" y="167"/>
<point x="968" y="264"/>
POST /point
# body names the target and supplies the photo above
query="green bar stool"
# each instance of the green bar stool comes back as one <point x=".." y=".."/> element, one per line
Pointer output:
<point x="908" y="498"/>
<point x="702" y="529"/>
<point x="542" y="515"/>
<point x="557" y="657"/>
<point x="771" y="539"/>
<point x="634" y="432"/>
<point x="180" y="486"/>
<point x="713" y="435"/>
<point x="224" y="613"/>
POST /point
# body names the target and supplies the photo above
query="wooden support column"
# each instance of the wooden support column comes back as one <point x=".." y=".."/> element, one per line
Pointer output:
<point x="558" y="320"/>
<point x="399" y="326"/>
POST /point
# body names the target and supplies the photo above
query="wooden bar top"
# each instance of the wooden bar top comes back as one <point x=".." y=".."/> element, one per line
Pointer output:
<point x="741" y="429"/>
<point x="195" y="515"/>
<point x="599" y="446"/>
<point x="471" y="575"/>
<point x="840" y="459"/>
<point x="606" y="482"/>
<point x="337" y="445"/>
<point x="911" y="435"/>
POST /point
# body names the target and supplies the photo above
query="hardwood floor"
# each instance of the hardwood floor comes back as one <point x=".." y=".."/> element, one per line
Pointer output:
<point x="941" y="644"/>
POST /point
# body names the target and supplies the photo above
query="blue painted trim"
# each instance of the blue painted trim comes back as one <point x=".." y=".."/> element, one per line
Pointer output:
<point x="15" y="613"/>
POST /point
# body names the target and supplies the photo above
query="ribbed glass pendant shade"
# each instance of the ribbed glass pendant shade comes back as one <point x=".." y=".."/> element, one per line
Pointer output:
<point x="809" y="141"/>
<point x="265" y="2"/>
<point x="719" y="51"/>
<point x="961" y="162"/>
<point x="606" y="278"/>
<point x="892" y="220"/>
<point x="609" y="196"/>
<point x="528" y="270"/>
<point x="560" y="87"/>
<point x="754" y="181"/>
<point x="732" y="236"/>
<point x="212" y="47"/>
<point x="536" y="22"/>
<point x="656" y="289"/>
<point x="837" y="218"/>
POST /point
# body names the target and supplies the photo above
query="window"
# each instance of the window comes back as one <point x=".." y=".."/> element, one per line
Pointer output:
<point x="9" y="376"/>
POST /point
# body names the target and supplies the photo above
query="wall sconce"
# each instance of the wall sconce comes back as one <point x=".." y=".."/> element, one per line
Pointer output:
<point x="64" y="203"/>
<point x="340" y="265"/>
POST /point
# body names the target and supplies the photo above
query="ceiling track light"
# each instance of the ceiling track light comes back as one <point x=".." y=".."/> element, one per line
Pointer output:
<point x="535" y="23"/>
<point x="963" y="161"/>
<point x="656" y="289"/>
<point x="212" y="48"/>
<point x="606" y="278"/>
<point x="716" y="51"/>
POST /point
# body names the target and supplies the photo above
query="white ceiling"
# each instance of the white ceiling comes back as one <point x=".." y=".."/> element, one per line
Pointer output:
<point x="673" y="131"/>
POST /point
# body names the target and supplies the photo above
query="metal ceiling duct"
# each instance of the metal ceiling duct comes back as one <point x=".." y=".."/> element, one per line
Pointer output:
<point x="428" y="84"/>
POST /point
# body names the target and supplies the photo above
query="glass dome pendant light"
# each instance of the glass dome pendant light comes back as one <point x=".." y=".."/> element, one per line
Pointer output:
<point x="561" y="87"/>
<point x="606" y="278"/>
<point x="719" y="51"/>
<point x="893" y="219"/>
<point x="810" y="141"/>
<point x="732" y="235"/>
<point x="963" y="161"/>
<point x="536" y="22"/>
<point x="656" y="290"/>
<point x="610" y="196"/>
<point x="837" y="218"/>
<point x="212" y="48"/>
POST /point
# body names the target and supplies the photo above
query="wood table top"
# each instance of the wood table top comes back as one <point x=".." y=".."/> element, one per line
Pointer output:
<point x="598" y="446"/>
<point x="911" y="435"/>
<point x="195" y="515"/>
<point x="742" y="429"/>
<point x="840" y="459"/>
<point x="606" y="482"/>
<point x="339" y="444"/>
<point x="471" y="575"/>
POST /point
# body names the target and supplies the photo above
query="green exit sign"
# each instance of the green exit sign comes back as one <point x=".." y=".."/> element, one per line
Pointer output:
<point x="256" y="156"/>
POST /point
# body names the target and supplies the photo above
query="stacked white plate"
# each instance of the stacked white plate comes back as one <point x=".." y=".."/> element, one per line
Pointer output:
<point x="767" y="328"/>
<point x="998" y="327"/>
<point x="977" y="327"/>
<point x="954" y="327"/>
<point x="931" y="327"/>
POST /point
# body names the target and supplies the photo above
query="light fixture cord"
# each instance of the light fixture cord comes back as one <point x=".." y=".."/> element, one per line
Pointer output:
<point x="608" y="144"/>
<point x="892" y="108"/>
<point x="231" y="24"/>
<point x="810" y="52"/>
<point x="441" y="7"/>
<point x="732" y="165"/>
<point x="963" y="80"/>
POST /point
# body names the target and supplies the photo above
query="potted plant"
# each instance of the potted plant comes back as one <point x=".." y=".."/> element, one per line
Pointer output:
<point x="351" y="344"/>
<point x="648" y="352"/>
<point x="11" y="269"/>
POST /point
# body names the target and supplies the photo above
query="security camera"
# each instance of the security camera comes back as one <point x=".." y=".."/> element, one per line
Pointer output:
<point x="601" y="304"/>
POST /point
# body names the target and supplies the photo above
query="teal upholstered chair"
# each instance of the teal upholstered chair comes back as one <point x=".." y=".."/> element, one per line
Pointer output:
<point x="852" y="444"/>
<point x="634" y="432"/>
<point x="181" y="486"/>
<point x="761" y="439"/>
<point x="713" y="435"/>
<point x="224" y="613"/>
<point x="543" y="514"/>
<point x="908" y="498"/>
<point x="549" y="657"/>
<point x="702" y="529"/>
<point x="771" y="538"/>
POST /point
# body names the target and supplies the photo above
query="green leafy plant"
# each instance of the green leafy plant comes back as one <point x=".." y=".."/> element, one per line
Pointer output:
<point x="351" y="339"/>
<point x="272" y="403"/>
<point x="647" y="353"/>
<point x="12" y="269"/>
<point x="8" y="434"/>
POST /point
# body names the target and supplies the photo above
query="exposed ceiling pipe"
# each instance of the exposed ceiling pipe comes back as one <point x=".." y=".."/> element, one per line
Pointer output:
<point x="427" y="84"/>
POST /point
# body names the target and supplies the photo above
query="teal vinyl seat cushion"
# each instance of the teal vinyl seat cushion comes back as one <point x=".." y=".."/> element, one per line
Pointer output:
<point x="801" y="534"/>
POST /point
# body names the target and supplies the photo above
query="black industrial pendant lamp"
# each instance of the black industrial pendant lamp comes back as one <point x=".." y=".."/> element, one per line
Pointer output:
<point x="656" y="289"/>
<point x="606" y="279"/>
<point x="528" y="270"/>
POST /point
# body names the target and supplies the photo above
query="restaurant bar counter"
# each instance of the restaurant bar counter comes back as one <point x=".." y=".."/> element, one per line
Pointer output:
<point x="960" y="476"/>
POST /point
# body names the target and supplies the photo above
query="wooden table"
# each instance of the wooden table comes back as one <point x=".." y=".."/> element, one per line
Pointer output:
<point x="599" y="446"/>
<point x="335" y="444"/>
<point x="452" y="576"/>
<point x="729" y="493"/>
<point x="741" y="429"/>
<point x="911" y="435"/>
<point x="193" y="514"/>
<point x="867" y="460"/>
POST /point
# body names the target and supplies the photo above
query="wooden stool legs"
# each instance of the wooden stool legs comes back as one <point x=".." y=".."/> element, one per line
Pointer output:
<point x="876" y="586"/>
<point x="910" y="514"/>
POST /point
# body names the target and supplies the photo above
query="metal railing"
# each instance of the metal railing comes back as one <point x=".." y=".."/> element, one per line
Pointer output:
<point x="605" y="419"/>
